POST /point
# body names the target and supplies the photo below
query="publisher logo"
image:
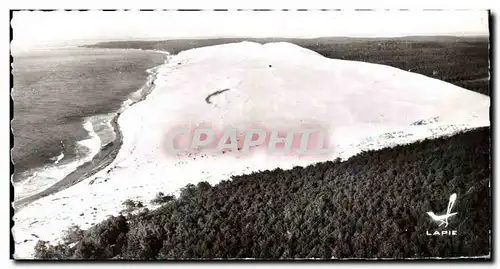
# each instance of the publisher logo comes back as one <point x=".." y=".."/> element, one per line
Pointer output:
<point x="443" y="219"/>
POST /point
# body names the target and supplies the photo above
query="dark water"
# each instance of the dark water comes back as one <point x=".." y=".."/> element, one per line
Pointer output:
<point x="54" y="90"/>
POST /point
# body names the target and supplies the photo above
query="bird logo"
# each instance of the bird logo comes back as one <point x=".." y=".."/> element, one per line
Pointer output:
<point x="443" y="219"/>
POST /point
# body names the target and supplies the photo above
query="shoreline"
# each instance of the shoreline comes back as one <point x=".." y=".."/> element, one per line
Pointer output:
<point x="141" y="172"/>
<point x="103" y="158"/>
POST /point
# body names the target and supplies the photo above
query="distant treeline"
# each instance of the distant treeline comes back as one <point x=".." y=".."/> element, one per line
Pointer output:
<point x="462" y="61"/>
<point x="372" y="205"/>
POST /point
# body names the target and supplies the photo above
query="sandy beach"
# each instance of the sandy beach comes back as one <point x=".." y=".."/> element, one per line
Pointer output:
<point x="265" y="87"/>
<point x="101" y="160"/>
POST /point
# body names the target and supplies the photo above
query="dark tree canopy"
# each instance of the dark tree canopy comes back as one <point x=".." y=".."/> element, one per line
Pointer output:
<point x="373" y="205"/>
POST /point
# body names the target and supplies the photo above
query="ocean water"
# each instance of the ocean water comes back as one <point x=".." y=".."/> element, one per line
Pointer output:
<point x="64" y="100"/>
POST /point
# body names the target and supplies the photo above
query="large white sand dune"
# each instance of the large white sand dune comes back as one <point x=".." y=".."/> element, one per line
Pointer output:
<point x="364" y="106"/>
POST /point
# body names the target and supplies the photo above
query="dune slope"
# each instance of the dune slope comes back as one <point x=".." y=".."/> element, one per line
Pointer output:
<point x="362" y="106"/>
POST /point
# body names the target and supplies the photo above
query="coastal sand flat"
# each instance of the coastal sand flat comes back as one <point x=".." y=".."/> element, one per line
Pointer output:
<point x="363" y="106"/>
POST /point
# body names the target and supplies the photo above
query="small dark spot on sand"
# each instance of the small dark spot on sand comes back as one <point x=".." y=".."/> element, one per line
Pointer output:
<point x="270" y="65"/>
<point x="34" y="235"/>
<point x="207" y="99"/>
<point x="81" y="214"/>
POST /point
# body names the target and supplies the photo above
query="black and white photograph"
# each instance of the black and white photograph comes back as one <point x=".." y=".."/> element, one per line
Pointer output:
<point x="277" y="135"/>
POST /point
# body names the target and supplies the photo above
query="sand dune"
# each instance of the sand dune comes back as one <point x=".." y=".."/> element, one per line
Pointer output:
<point x="363" y="106"/>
